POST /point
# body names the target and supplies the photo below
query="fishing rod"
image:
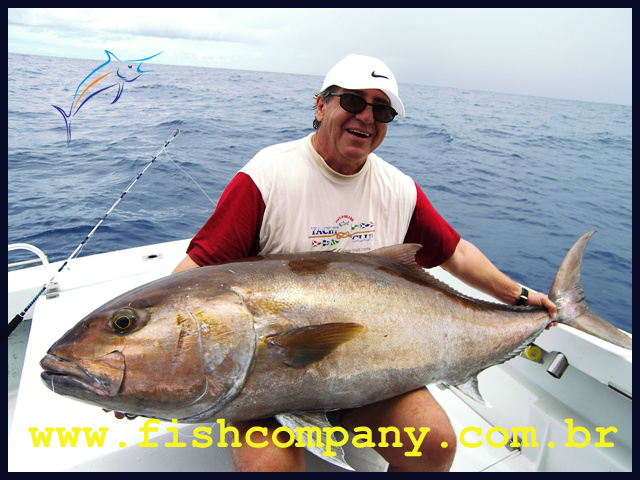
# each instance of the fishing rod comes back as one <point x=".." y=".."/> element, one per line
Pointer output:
<point x="19" y="317"/>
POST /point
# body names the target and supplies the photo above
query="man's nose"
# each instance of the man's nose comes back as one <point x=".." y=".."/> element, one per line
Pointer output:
<point x="366" y="115"/>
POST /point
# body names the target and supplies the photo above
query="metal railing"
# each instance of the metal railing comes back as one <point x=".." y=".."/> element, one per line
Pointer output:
<point x="42" y="258"/>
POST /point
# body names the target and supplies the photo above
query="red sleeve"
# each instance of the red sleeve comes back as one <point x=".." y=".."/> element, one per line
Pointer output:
<point x="233" y="231"/>
<point x="438" y="239"/>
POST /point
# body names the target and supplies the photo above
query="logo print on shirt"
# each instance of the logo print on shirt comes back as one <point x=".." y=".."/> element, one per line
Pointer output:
<point x="345" y="228"/>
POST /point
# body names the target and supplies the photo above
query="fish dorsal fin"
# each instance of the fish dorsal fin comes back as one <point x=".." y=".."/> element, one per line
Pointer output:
<point x="404" y="256"/>
<point x="298" y="421"/>
<point x="305" y="345"/>
<point x="111" y="56"/>
<point x="404" y="253"/>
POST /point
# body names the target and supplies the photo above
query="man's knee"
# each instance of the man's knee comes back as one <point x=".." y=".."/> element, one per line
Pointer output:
<point x="422" y="450"/>
<point x="438" y="454"/>
<point x="259" y="453"/>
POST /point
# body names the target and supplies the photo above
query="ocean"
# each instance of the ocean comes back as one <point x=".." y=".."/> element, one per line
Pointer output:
<point x="520" y="177"/>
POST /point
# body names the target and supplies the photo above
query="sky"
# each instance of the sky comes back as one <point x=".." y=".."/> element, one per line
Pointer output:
<point x="574" y="54"/>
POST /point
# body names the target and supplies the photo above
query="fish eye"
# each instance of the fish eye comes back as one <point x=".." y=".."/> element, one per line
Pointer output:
<point x="123" y="320"/>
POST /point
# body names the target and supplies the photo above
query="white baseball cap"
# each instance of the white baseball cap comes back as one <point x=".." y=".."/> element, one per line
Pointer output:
<point x="358" y="72"/>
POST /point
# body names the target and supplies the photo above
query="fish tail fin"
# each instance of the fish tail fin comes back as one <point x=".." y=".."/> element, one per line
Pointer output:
<point x="67" y="122"/>
<point x="567" y="293"/>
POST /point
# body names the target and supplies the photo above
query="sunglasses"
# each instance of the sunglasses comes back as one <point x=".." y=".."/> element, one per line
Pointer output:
<point x="354" y="104"/>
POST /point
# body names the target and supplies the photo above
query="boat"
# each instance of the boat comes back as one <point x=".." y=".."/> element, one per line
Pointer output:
<point x="572" y="391"/>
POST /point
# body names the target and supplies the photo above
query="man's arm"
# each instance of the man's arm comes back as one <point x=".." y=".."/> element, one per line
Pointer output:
<point x="186" y="264"/>
<point x="470" y="265"/>
<point x="232" y="231"/>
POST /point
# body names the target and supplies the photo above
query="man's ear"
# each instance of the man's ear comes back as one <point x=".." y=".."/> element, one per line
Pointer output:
<point x="320" y="108"/>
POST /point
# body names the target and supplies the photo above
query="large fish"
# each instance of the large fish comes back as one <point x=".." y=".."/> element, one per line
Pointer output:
<point x="298" y="333"/>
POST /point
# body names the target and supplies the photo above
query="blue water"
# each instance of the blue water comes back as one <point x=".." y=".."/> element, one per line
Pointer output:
<point x="520" y="177"/>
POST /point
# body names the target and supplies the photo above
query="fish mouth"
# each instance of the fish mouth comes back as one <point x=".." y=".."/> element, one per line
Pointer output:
<point x="102" y="376"/>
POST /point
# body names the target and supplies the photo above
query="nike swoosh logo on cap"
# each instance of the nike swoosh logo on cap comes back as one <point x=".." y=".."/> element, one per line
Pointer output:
<point x="373" y="74"/>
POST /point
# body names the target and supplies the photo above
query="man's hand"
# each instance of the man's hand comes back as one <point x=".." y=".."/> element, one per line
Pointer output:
<point x="536" y="298"/>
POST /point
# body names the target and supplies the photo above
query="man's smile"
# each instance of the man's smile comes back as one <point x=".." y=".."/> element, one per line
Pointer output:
<point x="358" y="133"/>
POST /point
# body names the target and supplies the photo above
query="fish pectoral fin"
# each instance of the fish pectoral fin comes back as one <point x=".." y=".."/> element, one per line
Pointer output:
<point x="316" y="426"/>
<point x="305" y="345"/>
<point x="470" y="389"/>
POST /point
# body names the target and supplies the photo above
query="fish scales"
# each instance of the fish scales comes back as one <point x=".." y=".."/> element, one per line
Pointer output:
<point x="410" y="327"/>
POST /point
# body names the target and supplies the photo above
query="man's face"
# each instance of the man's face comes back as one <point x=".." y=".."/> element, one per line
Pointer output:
<point x="345" y="139"/>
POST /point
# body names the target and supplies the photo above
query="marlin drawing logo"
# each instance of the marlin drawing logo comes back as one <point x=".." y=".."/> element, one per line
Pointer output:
<point x="109" y="75"/>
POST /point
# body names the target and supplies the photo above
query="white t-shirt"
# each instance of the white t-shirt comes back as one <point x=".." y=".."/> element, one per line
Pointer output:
<point x="287" y="200"/>
<point x="310" y="207"/>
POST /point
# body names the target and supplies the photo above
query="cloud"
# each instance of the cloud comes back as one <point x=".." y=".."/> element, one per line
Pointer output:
<point x="189" y="24"/>
<point x="571" y="53"/>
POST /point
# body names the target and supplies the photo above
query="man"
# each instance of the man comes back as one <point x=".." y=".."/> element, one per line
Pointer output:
<point x="328" y="191"/>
